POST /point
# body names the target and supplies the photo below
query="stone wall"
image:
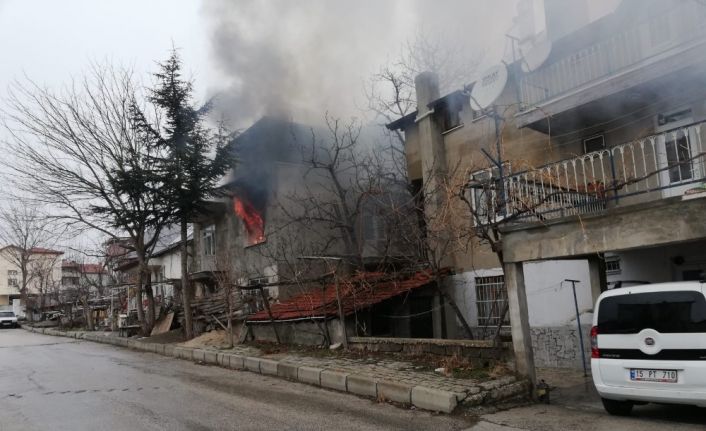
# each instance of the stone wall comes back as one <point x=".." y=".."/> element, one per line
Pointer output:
<point x="305" y="333"/>
<point x="558" y="347"/>
<point x="479" y="352"/>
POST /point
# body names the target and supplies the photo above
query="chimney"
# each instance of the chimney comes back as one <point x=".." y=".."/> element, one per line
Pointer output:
<point x="427" y="87"/>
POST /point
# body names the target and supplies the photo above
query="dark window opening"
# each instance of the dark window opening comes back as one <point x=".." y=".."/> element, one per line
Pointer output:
<point x="593" y="143"/>
<point x="679" y="159"/>
<point x="452" y="114"/>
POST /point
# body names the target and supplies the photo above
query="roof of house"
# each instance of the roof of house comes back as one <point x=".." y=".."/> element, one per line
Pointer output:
<point x="360" y="291"/>
<point x="84" y="268"/>
<point x="40" y="250"/>
<point x="36" y="250"/>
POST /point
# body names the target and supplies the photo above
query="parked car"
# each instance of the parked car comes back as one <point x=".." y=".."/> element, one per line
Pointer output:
<point x="648" y="344"/>
<point x="8" y="318"/>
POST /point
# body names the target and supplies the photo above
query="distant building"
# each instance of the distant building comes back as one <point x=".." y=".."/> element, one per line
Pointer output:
<point x="43" y="273"/>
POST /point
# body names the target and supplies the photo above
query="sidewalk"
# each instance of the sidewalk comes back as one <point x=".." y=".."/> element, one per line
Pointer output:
<point x="382" y="379"/>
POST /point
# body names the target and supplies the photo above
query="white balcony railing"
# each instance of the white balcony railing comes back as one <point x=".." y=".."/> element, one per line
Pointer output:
<point x="647" y="38"/>
<point x="664" y="164"/>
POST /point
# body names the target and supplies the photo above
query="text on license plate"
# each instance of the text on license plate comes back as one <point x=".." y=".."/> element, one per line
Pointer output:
<point x="665" y="376"/>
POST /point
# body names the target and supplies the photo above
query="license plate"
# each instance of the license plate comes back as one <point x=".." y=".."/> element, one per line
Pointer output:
<point x="644" y="375"/>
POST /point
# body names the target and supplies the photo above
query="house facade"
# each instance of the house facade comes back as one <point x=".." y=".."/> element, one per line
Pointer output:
<point x="43" y="274"/>
<point x="602" y="160"/>
<point x="272" y="234"/>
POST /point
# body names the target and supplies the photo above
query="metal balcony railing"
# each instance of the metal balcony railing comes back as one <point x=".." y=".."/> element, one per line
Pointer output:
<point x="659" y="164"/>
<point x="647" y="38"/>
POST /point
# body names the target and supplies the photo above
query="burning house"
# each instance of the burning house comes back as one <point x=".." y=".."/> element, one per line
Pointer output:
<point x="285" y="224"/>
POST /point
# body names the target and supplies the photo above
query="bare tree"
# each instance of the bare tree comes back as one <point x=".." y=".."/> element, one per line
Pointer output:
<point x="26" y="233"/>
<point x="390" y="93"/>
<point x="81" y="152"/>
<point x="227" y="278"/>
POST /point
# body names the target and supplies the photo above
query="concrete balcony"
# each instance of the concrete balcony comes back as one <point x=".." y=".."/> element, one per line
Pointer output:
<point x="652" y="47"/>
<point x="648" y="169"/>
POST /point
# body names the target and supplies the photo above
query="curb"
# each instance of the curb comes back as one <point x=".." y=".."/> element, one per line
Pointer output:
<point x="421" y="397"/>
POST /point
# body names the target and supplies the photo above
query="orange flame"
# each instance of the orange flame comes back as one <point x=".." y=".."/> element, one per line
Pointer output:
<point x="252" y="219"/>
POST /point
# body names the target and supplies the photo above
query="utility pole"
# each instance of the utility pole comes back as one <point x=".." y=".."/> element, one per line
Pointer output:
<point x="578" y="322"/>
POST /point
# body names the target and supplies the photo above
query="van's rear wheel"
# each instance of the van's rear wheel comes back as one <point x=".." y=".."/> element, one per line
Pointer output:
<point x="617" y="408"/>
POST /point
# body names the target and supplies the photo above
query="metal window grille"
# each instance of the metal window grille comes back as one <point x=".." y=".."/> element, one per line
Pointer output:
<point x="491" y="298"/>
<point x="612" y="266"/>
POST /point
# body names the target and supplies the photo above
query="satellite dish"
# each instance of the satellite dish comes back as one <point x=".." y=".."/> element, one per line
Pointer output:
<point x="536" y="56"/>
<point x="489" y="87"/>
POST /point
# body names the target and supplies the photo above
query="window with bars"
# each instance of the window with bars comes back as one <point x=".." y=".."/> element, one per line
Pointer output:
<point x="491" y="298"/>
<point x="612" y="265"/>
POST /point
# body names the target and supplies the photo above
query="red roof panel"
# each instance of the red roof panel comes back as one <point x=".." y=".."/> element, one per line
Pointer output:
<point x="361" y="291"/>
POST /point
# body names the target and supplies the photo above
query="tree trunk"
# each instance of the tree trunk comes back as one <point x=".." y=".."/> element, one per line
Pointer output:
<point x="185" y="285"/>
<point x="87" y="314"/>
<point x="138" y="301"/>
<point x="455" y="308"/>
<point x="150" y="314"/>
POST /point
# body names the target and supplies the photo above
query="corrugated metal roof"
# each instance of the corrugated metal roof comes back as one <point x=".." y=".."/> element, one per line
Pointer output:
<point x="360" y="291"/>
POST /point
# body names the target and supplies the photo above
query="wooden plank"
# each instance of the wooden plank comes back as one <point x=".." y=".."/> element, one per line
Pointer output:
<point x="163" y="324"/>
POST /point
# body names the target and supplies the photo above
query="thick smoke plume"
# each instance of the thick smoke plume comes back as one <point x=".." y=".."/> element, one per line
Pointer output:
<point x="300" y="59"/>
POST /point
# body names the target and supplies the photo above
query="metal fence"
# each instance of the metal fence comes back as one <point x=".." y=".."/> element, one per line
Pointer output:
<point x="587" y="183"/>
<point x="638" y="42"/>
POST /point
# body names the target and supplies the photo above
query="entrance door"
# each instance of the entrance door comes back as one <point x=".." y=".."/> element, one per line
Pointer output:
<point x="678" y="144"/>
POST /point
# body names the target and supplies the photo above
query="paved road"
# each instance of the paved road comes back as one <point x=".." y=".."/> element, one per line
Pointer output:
<point x="51" y="383"/>
<point x="576" y="406"/>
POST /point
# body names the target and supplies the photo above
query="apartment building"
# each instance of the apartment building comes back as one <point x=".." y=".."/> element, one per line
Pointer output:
<point x="598" y="172"/>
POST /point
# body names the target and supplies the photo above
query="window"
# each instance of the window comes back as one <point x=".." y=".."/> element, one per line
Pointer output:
<point x="452" y="113"/>
<point x="491" y="299"/>
<point x="593" y="143"/>
<point x="674" y="117"/>
<point x="477" y="115"/>
<point x="678" y="157"/>
<point x="373" y="226"/>
<point x="612" y="265"/>
<point x="208" y="240"/>
<point x="12" y="278"/>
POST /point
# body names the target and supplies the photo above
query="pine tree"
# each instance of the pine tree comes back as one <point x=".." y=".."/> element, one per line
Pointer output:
<point x="196" y="158"/>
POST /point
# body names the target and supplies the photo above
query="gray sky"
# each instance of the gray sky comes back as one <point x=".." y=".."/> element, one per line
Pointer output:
<point x="50" y="40"/>
<point x="314" y="55"/>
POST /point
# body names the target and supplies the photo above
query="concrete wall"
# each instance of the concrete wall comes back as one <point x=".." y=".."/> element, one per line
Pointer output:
<point x="304" y="332"/>
<point x="560" y="346"/>
<point x="659" y="264"/>
<point x="550" y="299"/>
<point x="664" y="222"/>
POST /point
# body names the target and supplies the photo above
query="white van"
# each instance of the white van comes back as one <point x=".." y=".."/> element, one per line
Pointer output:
<point x="648" y="344"/>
